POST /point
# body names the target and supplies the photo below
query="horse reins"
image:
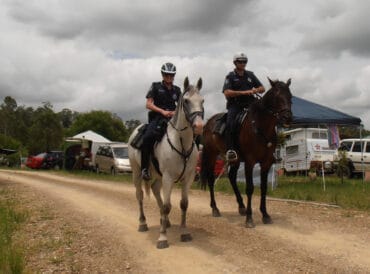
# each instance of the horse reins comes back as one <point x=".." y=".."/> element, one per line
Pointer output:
<point x="275" y="114"/>
<point x="184" y="154"/>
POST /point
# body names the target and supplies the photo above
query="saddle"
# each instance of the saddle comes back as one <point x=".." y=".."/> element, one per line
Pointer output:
<point x="220" y="125"/>
<point x="137" y="142"/>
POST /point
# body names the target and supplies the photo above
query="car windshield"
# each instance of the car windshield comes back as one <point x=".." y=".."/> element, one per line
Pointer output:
<point x="120" y="152"/>
<point x="41" y="155"/>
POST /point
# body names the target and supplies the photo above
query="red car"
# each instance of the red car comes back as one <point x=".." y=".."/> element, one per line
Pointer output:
<point x="219" y="166"/>
<point x="52" y="159"/>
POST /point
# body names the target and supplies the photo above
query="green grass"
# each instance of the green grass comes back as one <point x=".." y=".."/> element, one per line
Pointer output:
<point x="11" y="257"/>
<point x="351" y="193"/>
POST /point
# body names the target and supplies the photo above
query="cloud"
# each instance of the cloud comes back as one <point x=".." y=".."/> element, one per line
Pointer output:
<point x="340" y="27"/>
<point x="86" y="55"/>
<point x="145" y="28"/>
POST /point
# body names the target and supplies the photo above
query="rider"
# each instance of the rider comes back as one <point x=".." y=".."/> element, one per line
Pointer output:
<point x="161" y="101"/>
<point x="239" y="89"/>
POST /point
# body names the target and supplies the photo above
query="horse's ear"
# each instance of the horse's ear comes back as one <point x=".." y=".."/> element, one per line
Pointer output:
<point x="199" y="84"/>
<point x="289" y="82"/>
<point x="272" y="83"/>
<point x="186" y="83"/>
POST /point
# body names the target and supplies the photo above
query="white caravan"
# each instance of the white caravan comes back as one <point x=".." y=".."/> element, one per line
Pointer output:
<point x="306" y="149"/>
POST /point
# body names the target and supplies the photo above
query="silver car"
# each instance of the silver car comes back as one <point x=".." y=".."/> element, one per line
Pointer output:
<point x="112" y="159"/>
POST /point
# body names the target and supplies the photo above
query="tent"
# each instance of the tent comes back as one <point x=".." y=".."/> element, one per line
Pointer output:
<point x="306" y="113"/>
<point x="91" y="136"/>
<point x="88" y="139"/>
<point x="7" y="151"/>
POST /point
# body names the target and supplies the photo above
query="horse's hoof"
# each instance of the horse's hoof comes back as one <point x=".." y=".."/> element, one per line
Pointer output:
<point x="162" y="244"/>
<point x="143" y="228"/>
<point x="186" y="237"/>
<point x="267" y="220"/>
<point x="216" y="213"/>
<point x="242" y="211"/>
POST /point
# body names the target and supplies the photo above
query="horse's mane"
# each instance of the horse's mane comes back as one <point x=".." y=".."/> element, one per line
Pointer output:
<point x="263" y="103"/>
<point x="191" y="91"/>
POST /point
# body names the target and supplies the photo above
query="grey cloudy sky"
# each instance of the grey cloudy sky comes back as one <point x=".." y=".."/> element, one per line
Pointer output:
<point x="89" y="55"/>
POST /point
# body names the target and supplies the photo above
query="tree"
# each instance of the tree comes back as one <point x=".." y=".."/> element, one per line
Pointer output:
<point x="7" y="142"/>
<point x="46" y="132"/>
<point x="67" y="117"/>
<point x="8" y="119"/>
<point x="352" y="132"/>
<point x="131" y="125"/>
<point x="102" y="122"/>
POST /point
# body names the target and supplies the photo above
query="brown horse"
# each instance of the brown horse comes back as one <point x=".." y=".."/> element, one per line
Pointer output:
<point x="257" y="142"/>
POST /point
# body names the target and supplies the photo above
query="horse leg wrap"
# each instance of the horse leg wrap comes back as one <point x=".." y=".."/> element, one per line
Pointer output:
<point x="166" y="209"/>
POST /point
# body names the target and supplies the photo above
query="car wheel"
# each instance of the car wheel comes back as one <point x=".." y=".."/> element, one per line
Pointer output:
<point x="346" y="172"/>
<point x="113" y="171"/>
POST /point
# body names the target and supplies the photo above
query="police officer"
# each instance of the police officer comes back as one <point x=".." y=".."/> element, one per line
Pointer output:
<point x="161" y="101"/>
<point x="239" y="87"/>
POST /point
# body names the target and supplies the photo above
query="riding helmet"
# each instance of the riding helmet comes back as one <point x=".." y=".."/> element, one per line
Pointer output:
<point x="168" y="68"/>
<point x="240" y="57"/>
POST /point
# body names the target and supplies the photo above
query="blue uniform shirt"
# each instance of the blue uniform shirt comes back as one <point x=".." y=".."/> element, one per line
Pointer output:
<point x="163" y="97"/>
<point x="236" y="82"/>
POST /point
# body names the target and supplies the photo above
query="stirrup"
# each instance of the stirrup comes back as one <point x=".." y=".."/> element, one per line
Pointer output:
<point x="231" y="156"/>
<point x="145" y="174"/>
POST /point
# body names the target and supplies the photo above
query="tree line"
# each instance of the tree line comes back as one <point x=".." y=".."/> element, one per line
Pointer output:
<point x="34" y="130"/>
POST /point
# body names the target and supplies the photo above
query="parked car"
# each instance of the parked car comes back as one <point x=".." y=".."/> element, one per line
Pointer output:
<point x="357" y="154"/>
<point x="46" y="160"/>
<point x="218" y="170"/>
<point x="112" y="159"/>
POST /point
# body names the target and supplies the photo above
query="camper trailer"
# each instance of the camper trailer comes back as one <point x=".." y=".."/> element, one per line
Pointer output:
<point x="306" y="149"/>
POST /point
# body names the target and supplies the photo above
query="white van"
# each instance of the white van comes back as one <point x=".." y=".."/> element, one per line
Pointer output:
<point x="112" y="158"/>
<point x="306" y="149"/>
<point x="357" y="153"/>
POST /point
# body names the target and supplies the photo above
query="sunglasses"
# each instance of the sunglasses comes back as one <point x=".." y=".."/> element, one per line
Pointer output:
<point x="241" y="62"/>
<point x="168" y="75"/>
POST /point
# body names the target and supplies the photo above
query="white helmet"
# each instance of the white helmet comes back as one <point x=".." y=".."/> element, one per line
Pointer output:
<point x="240" y="57"/>
<point x="168" y="68"/>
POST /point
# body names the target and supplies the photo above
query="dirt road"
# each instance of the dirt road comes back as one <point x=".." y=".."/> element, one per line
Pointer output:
<point x="104" y="219"/>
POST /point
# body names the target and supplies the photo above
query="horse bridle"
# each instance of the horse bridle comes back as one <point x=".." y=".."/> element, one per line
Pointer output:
<point x="190" y="116"/>
<point x="277" y="114"/>
<point x="185" y="154"/>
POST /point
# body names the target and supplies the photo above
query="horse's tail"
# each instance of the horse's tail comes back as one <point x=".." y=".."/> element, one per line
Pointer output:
<point x="204" y="169"/>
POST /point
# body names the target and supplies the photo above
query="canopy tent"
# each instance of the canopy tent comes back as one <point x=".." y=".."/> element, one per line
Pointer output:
<point x="306" y="113"/>
<point x="7" y="151"/>
<point x="91" y="136"/>
<point x="87" y="140"/>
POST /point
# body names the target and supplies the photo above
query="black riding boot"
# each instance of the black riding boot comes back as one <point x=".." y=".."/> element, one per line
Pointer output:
<point x="231" y="155"/>
<point x="145" y="157"/>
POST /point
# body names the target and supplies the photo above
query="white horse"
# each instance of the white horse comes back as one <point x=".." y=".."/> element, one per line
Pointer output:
<point x="177" y="156"/>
